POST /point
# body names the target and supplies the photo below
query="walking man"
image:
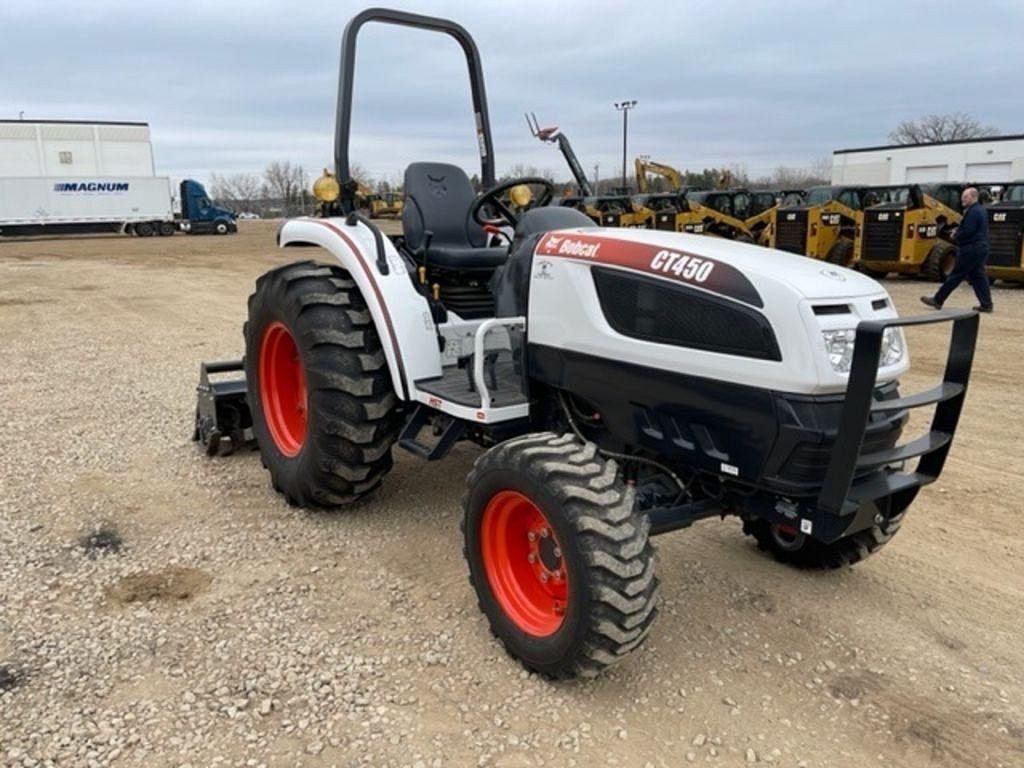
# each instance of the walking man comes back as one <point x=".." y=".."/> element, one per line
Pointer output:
<point x="971" y="239"/>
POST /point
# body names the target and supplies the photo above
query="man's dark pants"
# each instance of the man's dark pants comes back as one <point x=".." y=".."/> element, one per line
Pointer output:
<point x="969" y="267"/>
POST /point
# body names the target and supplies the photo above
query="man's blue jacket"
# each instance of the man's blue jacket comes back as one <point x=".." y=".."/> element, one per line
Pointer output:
<point x="972" y="234"/>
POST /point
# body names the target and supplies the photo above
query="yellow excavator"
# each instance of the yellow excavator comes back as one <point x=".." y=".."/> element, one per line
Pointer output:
<point x="387" y="205"/>
<point x="679" y="211"/>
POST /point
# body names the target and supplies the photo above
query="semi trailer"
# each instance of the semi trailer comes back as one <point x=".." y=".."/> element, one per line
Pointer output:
<point x="73" y="177"/>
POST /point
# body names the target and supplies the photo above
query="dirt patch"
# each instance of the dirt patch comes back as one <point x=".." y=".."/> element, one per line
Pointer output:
<point x="103" y="540"/>
<point x="168" y="584"/>
<point x="10" y="678"/>
<point x="755" y="600"/>
<point x="855" y="686"/>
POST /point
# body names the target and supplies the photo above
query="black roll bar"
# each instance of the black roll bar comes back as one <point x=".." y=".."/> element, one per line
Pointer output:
<point x="345" y="88"/>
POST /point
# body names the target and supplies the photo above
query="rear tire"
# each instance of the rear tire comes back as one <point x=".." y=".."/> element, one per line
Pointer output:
<point x="165" y="228"/>
<point x="587" y="599"/>
<point x="841" y="252"/>
<point x="787" y="545"/>
<point x="323" y="407"/>
<point x="144" y="229"/>
<point x="940" y="261"/>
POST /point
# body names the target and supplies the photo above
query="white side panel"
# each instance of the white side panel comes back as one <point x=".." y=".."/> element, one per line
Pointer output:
<point x="400" y="313"/>
<point x="565" y="312"/>
<point x="67" y="200"/>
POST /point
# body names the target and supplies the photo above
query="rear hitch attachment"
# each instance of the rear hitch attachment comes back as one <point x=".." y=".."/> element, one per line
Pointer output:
<point x="223" y="420"/>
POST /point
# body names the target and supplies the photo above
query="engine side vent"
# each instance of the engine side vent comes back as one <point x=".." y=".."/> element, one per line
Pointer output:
<point x="656" y="310"/>
<point x="879" y="304"/>
<point x="832" y="309"/>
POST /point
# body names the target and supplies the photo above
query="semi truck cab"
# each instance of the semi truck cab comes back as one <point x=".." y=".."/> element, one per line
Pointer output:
<point x="200" y="215"/>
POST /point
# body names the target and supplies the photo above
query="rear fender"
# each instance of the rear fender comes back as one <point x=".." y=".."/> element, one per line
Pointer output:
<point x="400" y="313"/>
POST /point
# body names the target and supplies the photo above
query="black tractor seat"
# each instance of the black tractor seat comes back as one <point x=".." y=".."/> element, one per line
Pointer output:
<point x="438" y="199"/>
<point x="465" y="257"/>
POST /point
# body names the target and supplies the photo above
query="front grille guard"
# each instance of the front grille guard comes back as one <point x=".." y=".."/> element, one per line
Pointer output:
<point x="840" y="495"/>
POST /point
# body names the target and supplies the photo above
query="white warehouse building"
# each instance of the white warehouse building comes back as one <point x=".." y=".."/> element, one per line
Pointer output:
<point x="992" y="159"/>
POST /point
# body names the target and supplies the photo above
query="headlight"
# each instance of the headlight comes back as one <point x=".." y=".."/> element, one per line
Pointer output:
<point x="839" y="346"/>
<point x="893" y="347"/>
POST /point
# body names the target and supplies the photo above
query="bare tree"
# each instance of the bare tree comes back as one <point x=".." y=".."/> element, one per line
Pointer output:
<point x="243" y="190"/>
<point x="287" y="183"/>
<point x="786" y="177"/>
<point x="952" y="127"/>
<point x="520" y="170"/>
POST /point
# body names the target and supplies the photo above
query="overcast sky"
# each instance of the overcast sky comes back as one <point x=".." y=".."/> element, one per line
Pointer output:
<point x="229" y="87"/>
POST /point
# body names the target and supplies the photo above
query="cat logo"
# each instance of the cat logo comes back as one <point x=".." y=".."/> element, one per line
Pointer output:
<point x="883" y="217"/>
<point x="998" y="217"/>
<point x="790" y="217"/>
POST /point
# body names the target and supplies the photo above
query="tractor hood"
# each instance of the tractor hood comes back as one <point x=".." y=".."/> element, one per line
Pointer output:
<point x="740" y="271"/>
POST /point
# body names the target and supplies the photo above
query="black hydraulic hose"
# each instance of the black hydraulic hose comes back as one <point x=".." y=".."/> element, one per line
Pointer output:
<point x="683" y="487"/>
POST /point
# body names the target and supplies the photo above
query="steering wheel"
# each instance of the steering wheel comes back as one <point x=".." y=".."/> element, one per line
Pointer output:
<point x="492" y="197"/>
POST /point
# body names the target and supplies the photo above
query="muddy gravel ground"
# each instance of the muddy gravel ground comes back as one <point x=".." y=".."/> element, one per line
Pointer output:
<point x="159" y="608"/>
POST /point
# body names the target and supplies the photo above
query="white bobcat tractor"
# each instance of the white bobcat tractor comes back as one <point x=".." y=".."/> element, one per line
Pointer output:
<point x="624" y="383"/>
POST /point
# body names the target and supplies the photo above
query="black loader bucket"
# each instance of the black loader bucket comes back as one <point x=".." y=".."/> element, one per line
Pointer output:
<point x="223" y="420"/>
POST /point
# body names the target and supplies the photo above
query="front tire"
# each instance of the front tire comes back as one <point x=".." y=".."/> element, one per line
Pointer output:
<point x="221" y="227"/>
<point x="789" y="546"/>
<point x="940" y="261"/>
<point x="323" y="407"/>
<point x="559" y="555"/>
<point x="841" y="252"/>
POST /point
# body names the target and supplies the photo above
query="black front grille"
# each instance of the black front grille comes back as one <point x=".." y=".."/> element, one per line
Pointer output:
<point x="791" y="231"/>
<point x="1004" y="237"/>
<point x="808" y="460"/>
<point x="665" y="312"/>
<point x="883" y="232"/>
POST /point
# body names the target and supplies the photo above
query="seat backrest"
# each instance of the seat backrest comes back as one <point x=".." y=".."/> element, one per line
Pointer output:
<point x="438" y="197"/>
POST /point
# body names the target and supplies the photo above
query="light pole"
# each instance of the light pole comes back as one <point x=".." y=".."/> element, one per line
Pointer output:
<point x="624" y="107"/>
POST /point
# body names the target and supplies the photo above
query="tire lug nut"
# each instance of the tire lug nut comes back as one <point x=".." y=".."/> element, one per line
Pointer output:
<point x="543" y="533"/>
<point x="531" y="536"/>
<point x="531" y="557"/>
<point x="558" y="552"/>
<point x="544" y="578"/>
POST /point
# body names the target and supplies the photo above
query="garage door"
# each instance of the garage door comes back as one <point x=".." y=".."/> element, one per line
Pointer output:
<point x="989" y="171"/>
<point x="919" y="174"/>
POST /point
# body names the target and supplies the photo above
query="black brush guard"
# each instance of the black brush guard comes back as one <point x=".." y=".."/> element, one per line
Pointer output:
<point x="851" y="500"/>
<point x="223" y="420"/>
<point x="861" y="487"/>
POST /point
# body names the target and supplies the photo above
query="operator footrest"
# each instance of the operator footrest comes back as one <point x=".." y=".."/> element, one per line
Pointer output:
<point x="446" y="430"/>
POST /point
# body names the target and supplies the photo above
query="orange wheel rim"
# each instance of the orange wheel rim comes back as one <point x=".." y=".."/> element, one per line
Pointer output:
<point x="283" y="389"/>
<point x="524" y="563"/>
